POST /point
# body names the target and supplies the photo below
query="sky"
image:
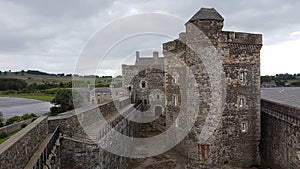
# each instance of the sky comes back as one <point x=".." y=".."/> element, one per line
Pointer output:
<point x="50" y="35"/>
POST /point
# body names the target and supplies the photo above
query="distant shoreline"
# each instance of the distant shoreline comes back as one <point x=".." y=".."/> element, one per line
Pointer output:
<point x="12" y="106"/>
<point x="39" y="96"/>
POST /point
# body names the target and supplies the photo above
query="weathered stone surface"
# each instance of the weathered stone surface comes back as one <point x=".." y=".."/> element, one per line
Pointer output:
<point x="280" y="135"/>
<point x="240" y="56"/>
<point x="17" y="151"/>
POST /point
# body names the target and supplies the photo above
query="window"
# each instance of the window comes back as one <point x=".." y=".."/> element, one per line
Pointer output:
<point x="143" y="84"/>
<point x="158" y="111"/>
<point x="175" y="78"/>
<point x="176" y="122"/>
<point x="145" y="101"/>
<point x="242" y="76"/>
<point x="241" y="102"/>
<point x="157" y="96"/>
<point x="175" y="100"/>
<point x="203" y="151"/>
<point x="244" y="127"/>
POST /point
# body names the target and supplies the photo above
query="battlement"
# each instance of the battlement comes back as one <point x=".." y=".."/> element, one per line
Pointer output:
<point x="173" y="46"/>
<point x="240" y="37"/>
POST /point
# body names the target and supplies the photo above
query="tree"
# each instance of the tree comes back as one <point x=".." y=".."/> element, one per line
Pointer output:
<point x="63" y="101"/>
<point x="12" y="84"/>
<point x="1" y="120"/>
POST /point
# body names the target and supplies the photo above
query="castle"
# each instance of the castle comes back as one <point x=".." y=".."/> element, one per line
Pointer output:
<point x="236" y="66"/>
<point x="208" y="79"/>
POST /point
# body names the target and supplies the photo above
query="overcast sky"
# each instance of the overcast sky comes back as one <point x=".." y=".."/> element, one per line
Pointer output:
<point x="49" y="35"/>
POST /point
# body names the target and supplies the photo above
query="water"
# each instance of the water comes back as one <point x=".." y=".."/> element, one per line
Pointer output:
<point x="17" y="106"/>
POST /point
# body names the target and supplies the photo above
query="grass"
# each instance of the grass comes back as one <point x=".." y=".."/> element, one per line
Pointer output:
<point x="39" y="79"/>
<point x="294" y="80"/>
<point x="36" y="96"/>
<point x="9" y="135"/>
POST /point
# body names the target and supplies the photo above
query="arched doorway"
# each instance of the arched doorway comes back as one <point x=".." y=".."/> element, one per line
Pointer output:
<point x="158" y="111"/>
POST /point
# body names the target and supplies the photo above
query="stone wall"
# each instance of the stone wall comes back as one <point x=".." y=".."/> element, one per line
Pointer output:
<point x="220" y="62"/>
<point x="17" y="151"/>
<point x="73" y="123"/>
<point x="78" y="147"/>
<point x="280" y="135"/>
<point x="16" y="126"/>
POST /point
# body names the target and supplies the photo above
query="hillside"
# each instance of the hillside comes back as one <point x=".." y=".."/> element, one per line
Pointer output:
<point x="45" y="78"/>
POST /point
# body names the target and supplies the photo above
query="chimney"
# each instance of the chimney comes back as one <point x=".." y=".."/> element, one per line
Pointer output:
<point x="137" y="55"/>
<point x="155" y="54"/>
<point x="155" y="57"/>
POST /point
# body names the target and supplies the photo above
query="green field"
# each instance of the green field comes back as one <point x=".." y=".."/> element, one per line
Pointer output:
<point x="36" y="96"/>
<point x="42" y="79"/>
<point x="39" y="79"/>
<point x="9" y="135"/>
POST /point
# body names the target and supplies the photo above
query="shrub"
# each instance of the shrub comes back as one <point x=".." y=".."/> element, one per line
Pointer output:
<point x="3" y="135"/>
<point x="23" y="125"/>
<point x="1" y="120"/>
<point x="55" y="111"/>
<point x="13" y="120"/>
<point x="27" y="116"/>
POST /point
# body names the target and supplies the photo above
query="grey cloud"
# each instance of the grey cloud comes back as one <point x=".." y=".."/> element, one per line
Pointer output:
<point x="57" y="30"/>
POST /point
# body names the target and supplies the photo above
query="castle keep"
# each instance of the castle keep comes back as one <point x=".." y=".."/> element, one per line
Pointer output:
<point x="235" y="139"/>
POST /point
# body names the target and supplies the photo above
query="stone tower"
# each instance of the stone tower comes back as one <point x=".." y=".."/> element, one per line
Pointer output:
<point x="235" y="138"/>
<point x="145" y="83"/>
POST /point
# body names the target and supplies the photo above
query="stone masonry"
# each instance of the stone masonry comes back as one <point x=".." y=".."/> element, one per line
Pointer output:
<point x="236" y="72"/>
<point x="280" y="135"/>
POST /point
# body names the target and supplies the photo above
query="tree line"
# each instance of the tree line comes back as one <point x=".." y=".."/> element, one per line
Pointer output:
<point x="22" y="86"/>
<point x="281" y="80"/>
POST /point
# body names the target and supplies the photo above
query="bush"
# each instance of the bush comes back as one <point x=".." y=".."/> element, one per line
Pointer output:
<point x="12" y="84"/>
<point x="9" y="92"/>
<point x="55" y="111"/>
<point x="12" y="120"/>
<point x="1" y="120"/>
<point x="51" y="91"/>
<point x="3" y="135"/>
<point x="23" y="125"/>
<point x="27" y="116"/>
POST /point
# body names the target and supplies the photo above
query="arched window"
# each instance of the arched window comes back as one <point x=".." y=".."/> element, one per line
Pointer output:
<point x="241" y="102"/>
<point x="176" y="122"/>
<point x="143" y="84"/>
<point x="242" y="76"/>
<point x="158" y="111"/>
<point x="175" y="100"/>
<point x="244" y="127"/>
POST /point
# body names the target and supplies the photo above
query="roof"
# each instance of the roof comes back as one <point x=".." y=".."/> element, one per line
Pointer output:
<point x="150" y="61"/>
<point x="105" y="90"/>
<point x="207" y="14"/>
